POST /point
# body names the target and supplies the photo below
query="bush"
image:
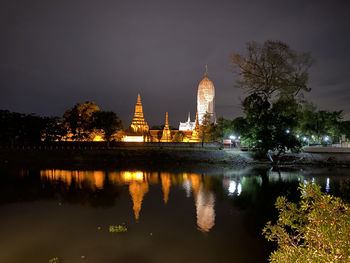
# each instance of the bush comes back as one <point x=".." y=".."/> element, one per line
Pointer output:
<point x="317" y="229"/>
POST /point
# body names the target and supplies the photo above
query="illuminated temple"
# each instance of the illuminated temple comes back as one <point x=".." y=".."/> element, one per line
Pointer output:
<point x="139" y="130"/>
<point x="205" y="104"/>
<point x="188" y="131"/>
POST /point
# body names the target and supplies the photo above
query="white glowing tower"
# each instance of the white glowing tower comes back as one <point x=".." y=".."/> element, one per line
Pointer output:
<point x="206" y="98"/>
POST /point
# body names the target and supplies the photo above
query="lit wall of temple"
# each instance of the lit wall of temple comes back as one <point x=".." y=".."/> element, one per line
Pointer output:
<point x="130" y="138"/>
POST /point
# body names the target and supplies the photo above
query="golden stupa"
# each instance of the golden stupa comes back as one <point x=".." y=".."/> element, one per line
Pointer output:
<point x="138" y="124"/>
<point x="196" y="133"/>
<point x="166" y="136"/>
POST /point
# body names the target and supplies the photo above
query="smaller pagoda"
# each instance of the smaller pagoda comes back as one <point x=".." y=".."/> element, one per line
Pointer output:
<point x="166" y="136"/>
<point x="196" y="133"/>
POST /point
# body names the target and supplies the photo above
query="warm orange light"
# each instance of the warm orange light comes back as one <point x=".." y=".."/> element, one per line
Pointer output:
<point x="133" y="139"/>
<point x="98" y="138"/>
<point x="132" y="176"/>
<point x="82" y="178"/>
<point x="166" y="183"/>
<point x="99" y="178"/>
<point x="137" y="191"/>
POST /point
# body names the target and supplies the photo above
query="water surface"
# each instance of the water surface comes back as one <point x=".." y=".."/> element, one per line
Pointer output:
<point x="210" y="216"/>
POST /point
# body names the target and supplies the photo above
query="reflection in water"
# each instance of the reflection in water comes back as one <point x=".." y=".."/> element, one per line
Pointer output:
<point x="187" y="186"/>
<point x="233" y="187"/>
<point x="235" y="204"/>
<point x="93" y="179"/>
<point x="195" y="183"/>
<point x="132" y="176"/>
<point x="239" y="189"/>
<point x="138" y="187"/>
<point x="205" y="210"/>
<point x="138" y="182"/>
<point x="200" y="186"/>
<point x="165" y="177"/>
<point x="327" y="185"/>
<point x="137" y="191"/>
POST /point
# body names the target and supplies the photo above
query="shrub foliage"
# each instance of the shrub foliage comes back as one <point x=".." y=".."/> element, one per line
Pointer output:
<point x="317" y="229"/>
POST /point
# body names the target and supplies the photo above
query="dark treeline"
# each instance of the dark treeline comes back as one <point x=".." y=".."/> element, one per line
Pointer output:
<point x="83" y="122"/>
<point x="17" y="128"/>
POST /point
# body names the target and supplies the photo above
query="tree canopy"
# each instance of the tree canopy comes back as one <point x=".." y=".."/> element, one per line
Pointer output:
<point x="275" y="77"/>
<point x="272" y="68"/>
<point x="108" y="121"/>
<point x="79" y="119"/>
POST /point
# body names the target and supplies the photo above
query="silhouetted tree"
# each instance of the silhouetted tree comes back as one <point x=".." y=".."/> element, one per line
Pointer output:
<point x="272" y="69"/>
<point x="318" y="124"/>
<point x="54" y="129"/>
<point x="107" y="121"/>
<point x="207" y="130"/>
<point x="345" y="129"/>
<point x="79" y="119"/>
<point x="17" y="128"/>
<point x="274" y="75"/>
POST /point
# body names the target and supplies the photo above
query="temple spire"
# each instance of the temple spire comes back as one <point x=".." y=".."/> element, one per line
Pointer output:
<point x="206" y="70"/>
<point x="189" y="117"/>
<point x="166" y="136"/>
<point x="197" y="121"/>
<point x="195" y="136"/>
<point x="138" y="124"/>
<point x="138" y="98"/>
<point x="166" y="119"/>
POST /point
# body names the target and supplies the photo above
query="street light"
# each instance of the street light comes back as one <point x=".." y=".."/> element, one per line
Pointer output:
<point x="232" y="137"/>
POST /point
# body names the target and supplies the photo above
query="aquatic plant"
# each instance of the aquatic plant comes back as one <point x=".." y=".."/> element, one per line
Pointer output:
<point x="118" y="229"/>
<point x="54" y="260"/>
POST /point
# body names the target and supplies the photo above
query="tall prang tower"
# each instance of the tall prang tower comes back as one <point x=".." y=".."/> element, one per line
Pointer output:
<point x="138" y="124"/>
<point x="206" y="98"/>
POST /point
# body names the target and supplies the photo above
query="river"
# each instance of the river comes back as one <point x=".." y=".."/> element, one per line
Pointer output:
<point x="171" y="216"/>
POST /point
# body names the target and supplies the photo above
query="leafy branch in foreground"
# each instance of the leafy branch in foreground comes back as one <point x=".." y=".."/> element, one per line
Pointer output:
<point x="317" y="229"/>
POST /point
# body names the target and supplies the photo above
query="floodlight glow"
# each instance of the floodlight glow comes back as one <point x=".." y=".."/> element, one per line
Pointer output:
<point x="239" y="189"/>
<point x="232" y="187"/>
<point x="232" y="137"/>
<point x="287" y="131"/>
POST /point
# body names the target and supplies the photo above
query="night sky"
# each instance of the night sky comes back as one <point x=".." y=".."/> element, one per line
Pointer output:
<point x="54" y="54"/>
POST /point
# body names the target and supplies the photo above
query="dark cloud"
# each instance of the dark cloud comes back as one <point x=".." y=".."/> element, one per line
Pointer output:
<point x="58" y="53"/>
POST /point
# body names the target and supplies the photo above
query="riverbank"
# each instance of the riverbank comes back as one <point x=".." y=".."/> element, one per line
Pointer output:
<point x="122" y="157"/>
<point x="162" y="157"/>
